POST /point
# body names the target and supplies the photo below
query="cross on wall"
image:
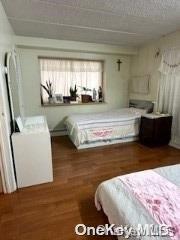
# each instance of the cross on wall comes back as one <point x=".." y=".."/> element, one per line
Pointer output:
<point x="119" y="64"/>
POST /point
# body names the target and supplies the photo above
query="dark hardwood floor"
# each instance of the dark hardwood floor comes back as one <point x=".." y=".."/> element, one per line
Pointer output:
<point x="51" y="211"/>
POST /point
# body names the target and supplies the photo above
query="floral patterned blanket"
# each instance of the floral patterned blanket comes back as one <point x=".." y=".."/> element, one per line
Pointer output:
<point x="160" y="197"/>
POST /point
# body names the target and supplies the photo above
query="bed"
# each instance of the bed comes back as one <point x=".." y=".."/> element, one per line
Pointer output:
<point x="123" y="207"/>
<point x="115" y="126"/>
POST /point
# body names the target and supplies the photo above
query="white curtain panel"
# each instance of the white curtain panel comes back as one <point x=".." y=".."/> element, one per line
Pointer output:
<point x="169" y="91"/>
<point x="65" y="73"/>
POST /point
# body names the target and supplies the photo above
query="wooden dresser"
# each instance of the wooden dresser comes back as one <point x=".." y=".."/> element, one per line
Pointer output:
<point x="155" y="129"/>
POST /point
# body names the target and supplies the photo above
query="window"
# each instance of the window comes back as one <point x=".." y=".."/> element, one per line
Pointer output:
<point x="58" y="76"/>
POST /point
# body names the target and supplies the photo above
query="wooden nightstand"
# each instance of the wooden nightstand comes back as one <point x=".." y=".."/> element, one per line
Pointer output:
<point x="155" y="129"/>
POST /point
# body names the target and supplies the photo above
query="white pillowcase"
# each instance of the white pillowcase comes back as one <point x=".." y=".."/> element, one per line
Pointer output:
<point x="138" y="111"/>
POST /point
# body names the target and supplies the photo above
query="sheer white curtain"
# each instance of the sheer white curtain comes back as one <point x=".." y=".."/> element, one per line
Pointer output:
<point x="169" y="91"/>
<point x="65" y="73"/>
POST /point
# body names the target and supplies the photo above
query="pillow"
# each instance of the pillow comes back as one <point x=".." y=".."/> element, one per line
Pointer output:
<point x="138" y="111"/>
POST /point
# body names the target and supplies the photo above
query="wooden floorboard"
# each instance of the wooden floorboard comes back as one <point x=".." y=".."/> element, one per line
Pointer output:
<point x="51" y="211"/>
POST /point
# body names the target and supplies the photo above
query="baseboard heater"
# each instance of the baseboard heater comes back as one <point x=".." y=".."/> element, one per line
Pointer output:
<point x="58" y="132"/>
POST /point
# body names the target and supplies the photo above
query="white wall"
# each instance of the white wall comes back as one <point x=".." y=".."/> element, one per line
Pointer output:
<point x="6" y="44"/>
<point x="116" y="83"/>
<point x="146" y="63"/>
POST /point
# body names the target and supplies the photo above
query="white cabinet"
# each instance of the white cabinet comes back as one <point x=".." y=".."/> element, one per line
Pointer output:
<point x="32" y="153"/>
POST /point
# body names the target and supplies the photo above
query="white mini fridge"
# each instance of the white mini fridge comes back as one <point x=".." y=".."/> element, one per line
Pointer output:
<point x="32" y="152"/>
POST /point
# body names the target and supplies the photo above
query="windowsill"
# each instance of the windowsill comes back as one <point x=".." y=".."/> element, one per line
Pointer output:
<point x="71" y="104"/>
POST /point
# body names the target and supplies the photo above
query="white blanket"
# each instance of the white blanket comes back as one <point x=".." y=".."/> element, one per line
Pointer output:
<point x="114" y="116"/>
<point x="124" y="123"/>
<point x="120" y="205"/>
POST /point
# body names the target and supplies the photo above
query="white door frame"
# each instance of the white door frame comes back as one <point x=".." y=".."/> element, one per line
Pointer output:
<point x="2" y="172"/>
<point x="6" y="161"/>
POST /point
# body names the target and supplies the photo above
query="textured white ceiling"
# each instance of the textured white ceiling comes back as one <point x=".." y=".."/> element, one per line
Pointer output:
<point x="119" y="22"/>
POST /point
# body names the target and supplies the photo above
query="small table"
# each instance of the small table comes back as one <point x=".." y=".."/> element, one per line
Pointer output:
<point x="155" y="129"/>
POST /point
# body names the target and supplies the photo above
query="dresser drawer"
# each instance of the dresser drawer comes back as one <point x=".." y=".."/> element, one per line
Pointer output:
<point x="146" y="128"/>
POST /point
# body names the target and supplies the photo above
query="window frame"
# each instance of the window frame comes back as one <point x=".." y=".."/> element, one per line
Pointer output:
<point x="102" y="61"/>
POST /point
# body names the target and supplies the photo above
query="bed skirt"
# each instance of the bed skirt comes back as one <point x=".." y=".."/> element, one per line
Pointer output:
<point x="105" y="142"/>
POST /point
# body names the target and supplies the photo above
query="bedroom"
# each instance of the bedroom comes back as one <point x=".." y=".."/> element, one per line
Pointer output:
<point x="132" y="50"/>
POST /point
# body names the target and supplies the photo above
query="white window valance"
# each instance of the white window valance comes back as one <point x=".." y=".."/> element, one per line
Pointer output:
<point x="70" y="65"/>
<point x="170" y="62"/>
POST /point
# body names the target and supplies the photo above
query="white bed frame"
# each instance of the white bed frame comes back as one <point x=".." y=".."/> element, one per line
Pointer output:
<point x="148" y="105"/>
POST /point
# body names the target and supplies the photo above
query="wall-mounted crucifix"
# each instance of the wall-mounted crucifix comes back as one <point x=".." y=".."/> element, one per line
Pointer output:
<point x="119" y="64"/>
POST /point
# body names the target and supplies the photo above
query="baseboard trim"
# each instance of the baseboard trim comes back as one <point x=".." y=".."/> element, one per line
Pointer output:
<point x="172" y="144"/>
